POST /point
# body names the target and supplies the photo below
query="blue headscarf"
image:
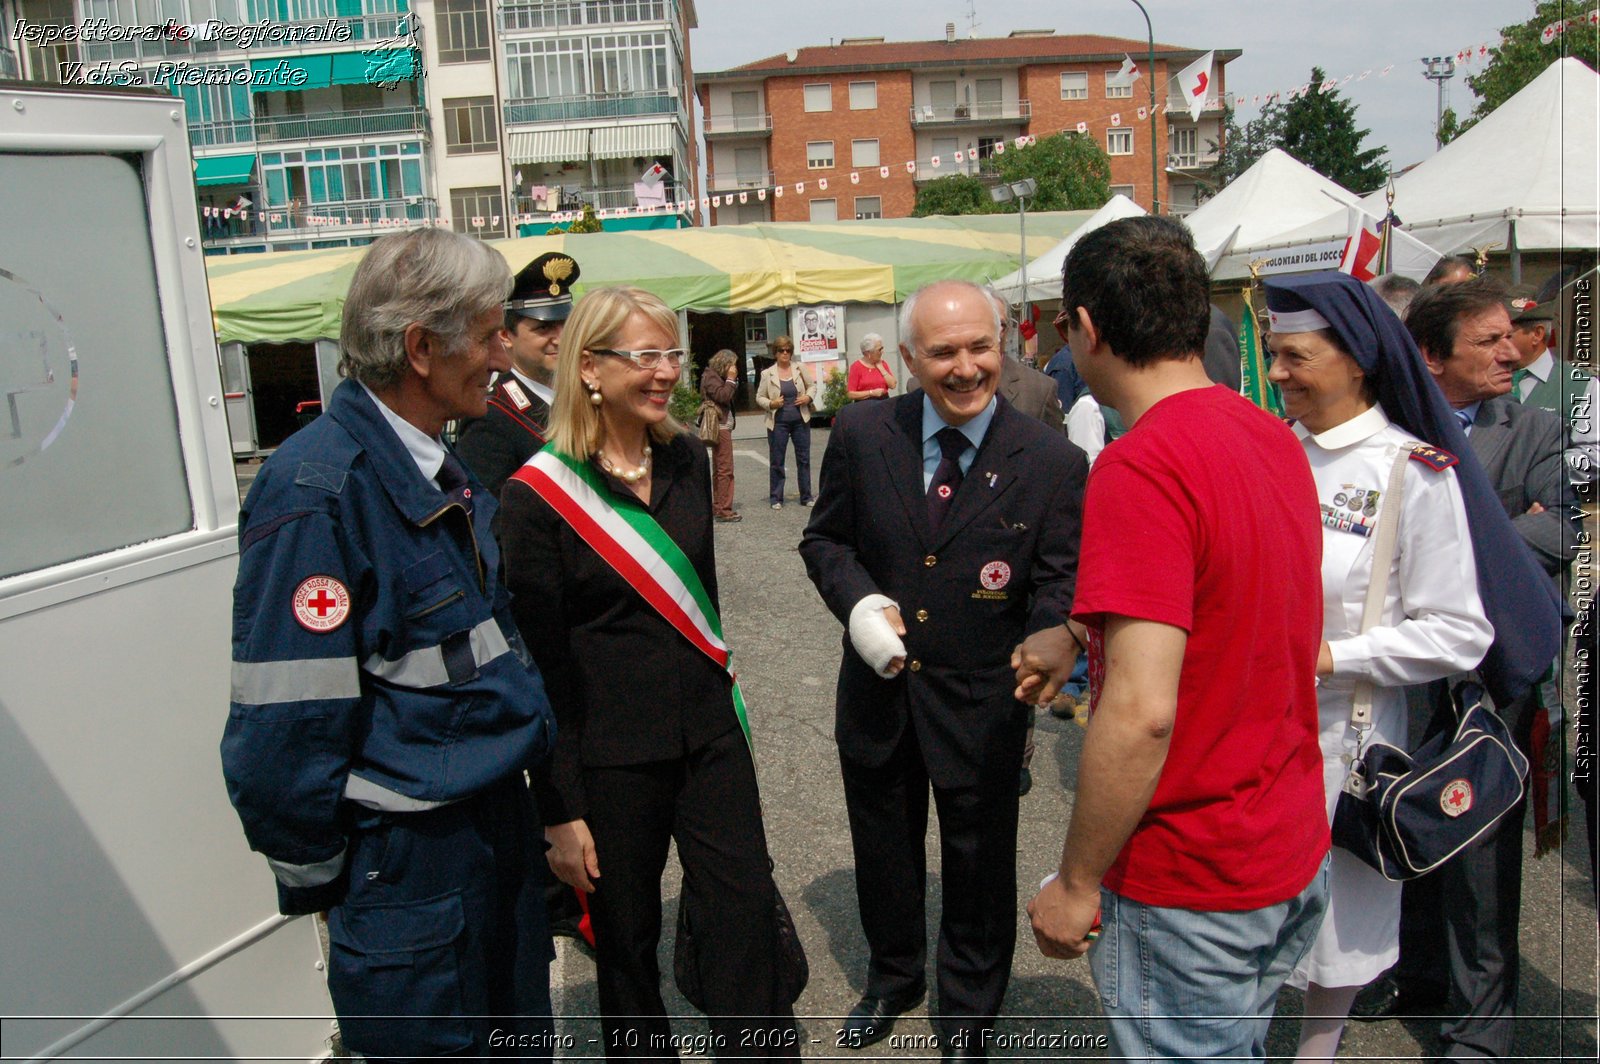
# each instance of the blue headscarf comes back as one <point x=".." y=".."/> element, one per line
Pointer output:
<point x="1519" y="599"/>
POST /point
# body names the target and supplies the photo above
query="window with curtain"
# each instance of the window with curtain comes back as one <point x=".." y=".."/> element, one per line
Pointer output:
<point x="545" y="69"/>
<point x="630" y="62"/>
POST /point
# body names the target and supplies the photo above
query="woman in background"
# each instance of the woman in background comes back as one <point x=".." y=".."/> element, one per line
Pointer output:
<point x="717" y="387"/>
<point x="784" y="392"/>
<point x="870" y="377"/>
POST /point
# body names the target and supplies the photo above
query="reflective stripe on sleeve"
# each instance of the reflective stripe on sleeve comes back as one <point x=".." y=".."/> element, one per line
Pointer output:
<point x="375" y="796"/>
<point x="307" y="875"/>
<point x="426" y="667"/>
<point x="260" y="683"/>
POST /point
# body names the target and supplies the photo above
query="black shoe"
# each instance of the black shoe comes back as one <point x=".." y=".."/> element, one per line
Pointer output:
<point x="1387" y="997"/>
<point x="1024" y="782"/>
<point x="873" y="1018"/>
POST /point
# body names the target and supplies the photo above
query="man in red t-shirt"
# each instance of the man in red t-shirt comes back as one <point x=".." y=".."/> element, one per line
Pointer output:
<point x="1199" y="835"/>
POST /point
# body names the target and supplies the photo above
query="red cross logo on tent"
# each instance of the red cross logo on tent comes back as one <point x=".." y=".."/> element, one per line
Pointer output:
<point x="321" y="604"/>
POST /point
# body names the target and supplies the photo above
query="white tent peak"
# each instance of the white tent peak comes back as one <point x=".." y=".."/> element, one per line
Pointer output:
<point x="1044" y="272"/>
<point x="1277" y="193"/>
<point x="1532" y="161"/>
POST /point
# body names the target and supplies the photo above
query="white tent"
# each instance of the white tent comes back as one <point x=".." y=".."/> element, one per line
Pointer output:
<point x="1277" y="194"/>
<point x="1319" y="245"/>
<point x="1523" y="178"/>
<point x="1044" y="272"/>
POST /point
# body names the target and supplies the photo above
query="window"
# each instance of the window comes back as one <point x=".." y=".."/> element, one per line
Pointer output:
<point x="469" y="125"/>
<point x="463" y="31"/>
<point x="863" y="96"/>
<point x="545" y="69"/>
<point x="863" y="153"/>
<point x="869" y="207"/>
<point x="986" y="146"/>
<point x="819" y="97"/>
<point x="1074" y="85"/>
<point x="824" y="210"/>
<point x="482" y="203"/>
<point x="356" y="178"/>
<point x="819" y="155"/>
<point x="1184" y="144"/>
<point x="629" y="62"/>
<point x="1117" y="92"/>
<point x="1119" y="142"/>
<point x="755" y="328"/>
<point x="1122" y="190"/>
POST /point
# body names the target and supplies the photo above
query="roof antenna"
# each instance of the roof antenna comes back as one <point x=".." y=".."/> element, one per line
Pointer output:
<point x="972" y="19"/>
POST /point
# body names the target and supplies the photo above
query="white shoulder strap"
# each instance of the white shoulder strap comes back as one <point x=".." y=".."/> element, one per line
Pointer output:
<point x="1388" y="535"/>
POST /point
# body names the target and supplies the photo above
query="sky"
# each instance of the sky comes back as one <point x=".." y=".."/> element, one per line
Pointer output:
<point x="1281" y="41"/>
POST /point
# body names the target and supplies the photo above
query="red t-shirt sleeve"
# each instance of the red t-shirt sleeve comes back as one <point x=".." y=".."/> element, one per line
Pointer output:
<point x="1138" y="553"/>
<point x="853" y="382"/>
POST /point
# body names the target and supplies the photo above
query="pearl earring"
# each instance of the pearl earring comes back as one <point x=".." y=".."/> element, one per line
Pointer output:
<point x="594" y="392"/>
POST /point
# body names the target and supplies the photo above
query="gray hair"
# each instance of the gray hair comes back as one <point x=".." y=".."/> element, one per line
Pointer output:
<point x="435" y="278"/>
<point x="870" y="342"/>
<point x="908" y="309"/>
<point x="1397" y="290"/>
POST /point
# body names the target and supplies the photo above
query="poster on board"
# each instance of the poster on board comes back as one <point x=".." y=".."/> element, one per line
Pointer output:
<point x="818" y="332"/>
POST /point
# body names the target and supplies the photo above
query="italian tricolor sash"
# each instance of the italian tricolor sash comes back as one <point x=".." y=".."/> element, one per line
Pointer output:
<point x="629" y="540"/>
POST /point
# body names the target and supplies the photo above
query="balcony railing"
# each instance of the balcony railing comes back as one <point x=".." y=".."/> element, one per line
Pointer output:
<point x="573" y="197"/>
<point x="947" y="166"/>
<point x="927" y="114"/>
<point x="723" y="125"/>
<point x="330" y="126"/>
<point x="528" y="16"/>
<point x="739" y="179"/>
<point x="594" y="105"/>
<point x="180" y="43"/>
<point x="1191" y="161"/>
<point x="314" y="218"/>
<point x="1178" y="106"/>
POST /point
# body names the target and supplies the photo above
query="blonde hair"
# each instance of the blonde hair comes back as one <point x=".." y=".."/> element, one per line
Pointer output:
<point x="597" y="319"/>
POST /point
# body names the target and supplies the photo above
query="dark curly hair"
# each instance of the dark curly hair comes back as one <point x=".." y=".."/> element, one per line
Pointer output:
<point x="1145" y="288"/>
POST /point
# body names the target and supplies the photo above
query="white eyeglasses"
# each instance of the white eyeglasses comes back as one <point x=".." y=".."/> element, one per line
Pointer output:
<point x="649" y="358"/>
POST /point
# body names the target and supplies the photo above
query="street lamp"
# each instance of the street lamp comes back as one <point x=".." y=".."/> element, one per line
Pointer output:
<point x="1440" y="69"/>
<point x="1155" y="180"/>
<point x="1019" y="191"/>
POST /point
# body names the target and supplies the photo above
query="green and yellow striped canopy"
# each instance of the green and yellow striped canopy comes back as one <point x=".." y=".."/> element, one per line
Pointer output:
<point x="298" y="295"/>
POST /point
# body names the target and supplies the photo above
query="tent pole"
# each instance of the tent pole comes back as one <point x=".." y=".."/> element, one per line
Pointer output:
<point x="1516" y="252"/>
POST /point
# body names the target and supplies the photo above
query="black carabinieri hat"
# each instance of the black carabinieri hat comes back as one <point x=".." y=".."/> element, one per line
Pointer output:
<point x="543" y="288"/>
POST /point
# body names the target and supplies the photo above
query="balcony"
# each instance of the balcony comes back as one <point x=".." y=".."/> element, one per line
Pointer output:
<point x="961" y="114"/>
<point x="316" y="219"/>
<point x="1178" y="107"/>
<point x="1191" y="161"/>
<point x="180" y="43"/>
<point x="333" y="125"/>
<point x="982" y="168"/>
<point x="739" y="180"/>
<point x="530" y="17"/>
<point x="573" y="198"/>
<point x="738" y="126"/>
<point x="528" y="111"/>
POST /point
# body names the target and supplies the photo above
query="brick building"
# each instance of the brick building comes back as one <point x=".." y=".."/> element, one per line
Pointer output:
<point x="820" y="114"/>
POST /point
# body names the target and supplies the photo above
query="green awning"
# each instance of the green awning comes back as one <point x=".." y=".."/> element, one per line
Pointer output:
<point x="326" y="69"/>
<point x="224" y="169"/>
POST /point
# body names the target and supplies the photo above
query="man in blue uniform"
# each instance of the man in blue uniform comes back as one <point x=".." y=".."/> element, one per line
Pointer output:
<point x="384" y="710"/>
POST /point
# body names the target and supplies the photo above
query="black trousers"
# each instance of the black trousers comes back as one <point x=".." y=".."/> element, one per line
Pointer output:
<point x="888" y="810"/>
<point x="1460" y="923"/>
<point x="441" y="948"/>
<point x="708" y="804"/>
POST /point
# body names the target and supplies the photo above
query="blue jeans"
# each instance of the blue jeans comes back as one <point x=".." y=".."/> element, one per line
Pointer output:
<point x="1188" y="985"/>
<point x="789" y="427"/>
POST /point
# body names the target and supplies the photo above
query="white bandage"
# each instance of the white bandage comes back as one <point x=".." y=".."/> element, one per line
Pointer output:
<point x="872" y="636"/>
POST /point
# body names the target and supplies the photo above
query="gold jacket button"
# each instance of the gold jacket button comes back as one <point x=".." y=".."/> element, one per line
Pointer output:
<point x="922" y="615"/>
<point x="916" y="665"/>
<point x="930" y="561"/>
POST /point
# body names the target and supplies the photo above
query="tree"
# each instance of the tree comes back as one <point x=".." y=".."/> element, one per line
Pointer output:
<point x="1241" y="147"/>
<point x="1071" y="171"/>
<point x="1319" y="129"/>
<point x="1523" y="55"/>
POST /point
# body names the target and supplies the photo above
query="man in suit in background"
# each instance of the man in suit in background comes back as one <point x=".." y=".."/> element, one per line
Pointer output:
<point x="1463" y="918"/>
<point x="945" y="532"/>
<point x="496" y="445"/>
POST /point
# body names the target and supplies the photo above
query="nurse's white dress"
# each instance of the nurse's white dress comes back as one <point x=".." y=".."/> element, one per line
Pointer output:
<point x="1432" y="626"/>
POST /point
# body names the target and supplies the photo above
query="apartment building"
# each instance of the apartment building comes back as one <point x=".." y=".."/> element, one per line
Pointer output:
<point x="896" y="114"/>
<point x="324" y="123"/>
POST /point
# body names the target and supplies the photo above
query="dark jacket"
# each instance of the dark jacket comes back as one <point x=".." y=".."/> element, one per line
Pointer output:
<point x="626" y="687"/>
<point x="1520" y="447"/>
<point x="496" y="445"/>
<point x="1020" y="505"/>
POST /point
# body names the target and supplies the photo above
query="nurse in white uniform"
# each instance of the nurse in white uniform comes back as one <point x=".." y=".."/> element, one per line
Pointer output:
<point x="1432" y="624"/>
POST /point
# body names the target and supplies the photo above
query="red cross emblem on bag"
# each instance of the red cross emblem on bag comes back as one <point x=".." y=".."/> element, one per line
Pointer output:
<point x="1456" y="798"/>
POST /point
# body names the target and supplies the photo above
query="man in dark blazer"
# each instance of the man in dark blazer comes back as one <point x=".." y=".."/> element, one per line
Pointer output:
<point x="496" y="445"/>
<point x="945" y="532"/>
<point x="1462" y="920"/>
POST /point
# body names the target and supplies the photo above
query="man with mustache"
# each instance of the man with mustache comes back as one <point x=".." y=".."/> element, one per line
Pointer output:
<point x="945" y="532"/>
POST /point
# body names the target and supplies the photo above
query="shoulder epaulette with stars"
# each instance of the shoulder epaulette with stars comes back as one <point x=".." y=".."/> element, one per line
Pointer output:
<point x="1433" y="457"/>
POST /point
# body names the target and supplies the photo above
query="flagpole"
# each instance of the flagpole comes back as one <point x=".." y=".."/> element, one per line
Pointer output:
<point x="1155" y="181"/>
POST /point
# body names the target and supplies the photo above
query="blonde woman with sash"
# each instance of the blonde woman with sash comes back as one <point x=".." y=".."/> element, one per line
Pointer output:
<point x="609" y="556"/>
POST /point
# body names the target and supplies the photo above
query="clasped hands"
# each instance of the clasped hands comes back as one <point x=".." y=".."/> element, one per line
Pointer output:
<point x="1044" y="662"/>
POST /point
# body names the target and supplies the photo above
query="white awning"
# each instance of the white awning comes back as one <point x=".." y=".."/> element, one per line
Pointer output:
<point x="626" y="142"/>
<point x="549" y="146"/>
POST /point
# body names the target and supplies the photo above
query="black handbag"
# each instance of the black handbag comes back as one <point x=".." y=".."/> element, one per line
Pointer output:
<point x="1406" y="814"/>
<point x="794" y="971"/>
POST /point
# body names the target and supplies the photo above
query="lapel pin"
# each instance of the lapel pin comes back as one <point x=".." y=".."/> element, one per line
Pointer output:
<point x="992" y="478"/>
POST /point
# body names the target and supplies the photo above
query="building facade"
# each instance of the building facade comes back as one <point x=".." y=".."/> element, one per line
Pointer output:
<point x="862" y="124"/>
<point x="324" y="123"/>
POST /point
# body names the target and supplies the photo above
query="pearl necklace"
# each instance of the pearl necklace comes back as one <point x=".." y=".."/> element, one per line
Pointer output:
<point x="627" y="476"/>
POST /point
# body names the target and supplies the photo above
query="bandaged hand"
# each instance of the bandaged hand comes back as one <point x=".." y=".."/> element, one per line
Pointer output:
<point x="876" y="636"/>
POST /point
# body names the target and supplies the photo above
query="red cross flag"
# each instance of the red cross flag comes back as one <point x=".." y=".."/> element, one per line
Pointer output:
<point x="1194" y="81"/>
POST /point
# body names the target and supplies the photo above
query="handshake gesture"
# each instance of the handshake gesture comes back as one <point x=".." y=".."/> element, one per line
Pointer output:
<point x="1045" y="660"/>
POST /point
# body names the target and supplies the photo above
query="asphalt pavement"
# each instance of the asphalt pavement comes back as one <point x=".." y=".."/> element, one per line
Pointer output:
<point x="786" y="650"/>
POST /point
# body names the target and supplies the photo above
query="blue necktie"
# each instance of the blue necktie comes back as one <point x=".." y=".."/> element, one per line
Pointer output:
<point x="1465" y="417"/>
<point x="947" y="477"/>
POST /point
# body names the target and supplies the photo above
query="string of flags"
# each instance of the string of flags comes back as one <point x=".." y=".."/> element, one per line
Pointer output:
<point x="1560" y="26"/>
